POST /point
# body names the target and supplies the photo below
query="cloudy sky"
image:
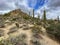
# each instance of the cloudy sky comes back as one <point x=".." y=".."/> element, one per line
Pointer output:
<point x="52" y="6"/>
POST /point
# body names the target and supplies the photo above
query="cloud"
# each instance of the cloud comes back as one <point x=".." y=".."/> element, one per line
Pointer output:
<point x="52" y="6"/>
<point x="5" y="5"/>
<point x="54" y="3"/>
<point x="36" y="4"/>
<point x="12" y="4"/>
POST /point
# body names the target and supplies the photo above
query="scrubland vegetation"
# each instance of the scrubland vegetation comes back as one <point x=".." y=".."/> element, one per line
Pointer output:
<point x="21" y="22"/>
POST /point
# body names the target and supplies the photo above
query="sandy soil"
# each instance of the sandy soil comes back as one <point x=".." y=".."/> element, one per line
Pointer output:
<point x="45" y="41"/>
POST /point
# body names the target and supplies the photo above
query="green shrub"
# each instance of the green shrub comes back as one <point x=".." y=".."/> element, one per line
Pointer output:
<point x="17" y="25"/>
<point x="1" y="32"/>
<point x="2" y="25"/>
<point x="26" y="27"/>
<point x="12" y="40"/>
<point x="54" y="31"/>
<point x="36" y="30"/>
<point x="12" y="30"/>
<point x="35" y="42"/>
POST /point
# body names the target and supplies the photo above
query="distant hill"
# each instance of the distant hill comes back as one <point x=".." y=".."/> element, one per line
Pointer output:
<point x="17" y="12"/>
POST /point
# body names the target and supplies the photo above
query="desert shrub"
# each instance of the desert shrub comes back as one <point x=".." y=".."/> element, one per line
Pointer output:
<point x="6" y="15"/>
<point x="14" y="19"/>
<point x="26" y="27"/>
<point x="21" y="27"/>
<point x="14" y="40"/>
<point x="35" y="42"/>
<point x="26" y="17"/>
<point x="12" y="30"/>
<point x="36" y="31"/>
<point x="50" y="29"/>
<point x="1" y="32"/>
<point x="37" y="36"/>
<point x="22" y="37"/>
<point x="8" y="22"/>
<point x="57" y="34"/>
<point x="50" y="21"/>
<point x="38" y="23"/>
<point x="2" y="25"/>
<point x="54" y="31"/>
<point x="1" y="42"/>
<point x="17" y="25"/>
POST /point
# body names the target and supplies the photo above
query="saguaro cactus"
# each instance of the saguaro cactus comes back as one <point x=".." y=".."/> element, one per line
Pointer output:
<point x="33" y="16"/>
<point x="29" y="13"/>
<point x="58" y="18"/>
<point x="44" y="18"/>
<point x="33" y="13"/>
<point x="38" y="16"/>
<point x="44" y="15"/>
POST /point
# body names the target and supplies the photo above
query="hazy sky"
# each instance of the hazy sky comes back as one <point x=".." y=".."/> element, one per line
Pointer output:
<point x="52" y="6"/>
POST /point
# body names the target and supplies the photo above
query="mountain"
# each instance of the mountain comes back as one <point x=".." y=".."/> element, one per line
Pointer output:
<point x="17" y="12"/>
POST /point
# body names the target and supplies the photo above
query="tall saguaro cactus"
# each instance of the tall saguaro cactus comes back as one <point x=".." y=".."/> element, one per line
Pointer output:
<point x="44" y="15"/>
<point x="58" y="18"/>
<point x="33" y="16"/>
<point x="44" y="18"/>
<point x="38" y="16"/>
<point x="33" y="13"/>
<point x="29" y="13"/>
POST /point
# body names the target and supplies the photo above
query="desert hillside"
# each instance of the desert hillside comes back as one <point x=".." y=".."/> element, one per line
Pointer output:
<point x="19" y="28"/>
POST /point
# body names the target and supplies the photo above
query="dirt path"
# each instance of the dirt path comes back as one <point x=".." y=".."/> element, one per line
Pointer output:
<point x="45" y="41"/>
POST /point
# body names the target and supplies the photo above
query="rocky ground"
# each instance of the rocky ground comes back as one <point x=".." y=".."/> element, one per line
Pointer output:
<point x="22" y="29"/>
<point x="13" y="30"/>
